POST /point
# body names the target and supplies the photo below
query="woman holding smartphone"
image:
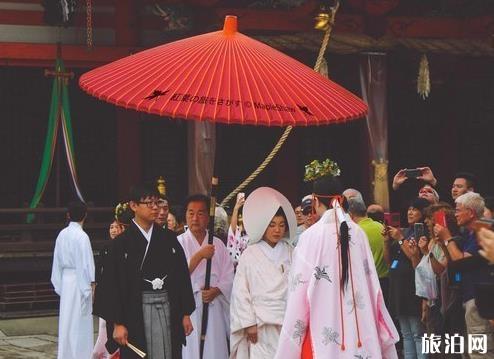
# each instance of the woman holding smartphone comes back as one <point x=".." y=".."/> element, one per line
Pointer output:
<point x="237" y="238"/>
<point x="403" y="255"/>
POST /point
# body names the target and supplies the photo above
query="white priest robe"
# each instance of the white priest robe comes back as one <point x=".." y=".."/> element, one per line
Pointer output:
<point x="216" y="346"/>
<point x="71" y="276"/>
<point x="335" y="323"/>
<point x="259" y="297"/>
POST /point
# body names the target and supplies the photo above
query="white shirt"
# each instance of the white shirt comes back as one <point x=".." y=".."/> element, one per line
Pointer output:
<point x="146" y="235"/>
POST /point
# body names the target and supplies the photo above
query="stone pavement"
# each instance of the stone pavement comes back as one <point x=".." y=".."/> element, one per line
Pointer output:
<point x="29" y="338"/>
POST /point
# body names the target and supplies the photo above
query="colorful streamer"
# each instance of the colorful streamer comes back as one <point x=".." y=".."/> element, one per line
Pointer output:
<point x="59" y="116"/>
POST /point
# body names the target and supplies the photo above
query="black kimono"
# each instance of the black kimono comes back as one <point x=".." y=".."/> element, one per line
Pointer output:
<point x="118" y="297"/>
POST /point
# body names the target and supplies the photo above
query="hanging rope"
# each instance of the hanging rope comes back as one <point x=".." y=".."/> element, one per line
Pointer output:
<point x="89" y="25"/>
<point x="286" y="133"/>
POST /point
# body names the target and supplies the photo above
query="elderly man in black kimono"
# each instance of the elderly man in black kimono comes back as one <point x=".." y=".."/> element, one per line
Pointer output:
<point x="145" y="293"/>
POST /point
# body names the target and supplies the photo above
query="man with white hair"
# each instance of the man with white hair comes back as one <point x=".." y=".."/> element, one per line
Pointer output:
<point x="469" y="208"/>
<point x="350" y="193"/>
<point x="373" y="230"/>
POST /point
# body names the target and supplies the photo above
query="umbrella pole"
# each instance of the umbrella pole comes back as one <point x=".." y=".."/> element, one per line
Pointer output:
<point x="207" y="284"/>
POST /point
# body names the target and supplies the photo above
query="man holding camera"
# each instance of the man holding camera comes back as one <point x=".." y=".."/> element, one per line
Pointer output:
<point x="465" y="256"/>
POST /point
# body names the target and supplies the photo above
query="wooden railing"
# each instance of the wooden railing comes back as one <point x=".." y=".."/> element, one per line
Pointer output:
<point x="16" y="235"/>
<point x="26" y="251"/>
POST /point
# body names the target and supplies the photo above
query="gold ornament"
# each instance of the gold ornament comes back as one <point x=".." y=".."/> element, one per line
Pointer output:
<point x="161" y="184"/>
<point x="423" y="80"/>
<point x="325" y="18"/>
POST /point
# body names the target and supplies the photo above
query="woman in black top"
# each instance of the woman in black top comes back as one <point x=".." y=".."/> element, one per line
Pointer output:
<point x="403" y="256"/>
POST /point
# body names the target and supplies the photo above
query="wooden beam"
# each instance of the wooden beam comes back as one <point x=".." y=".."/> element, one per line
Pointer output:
<point x="35" y="18"/>
<point x="440" y="27"/>
<point x="27" y="54"/>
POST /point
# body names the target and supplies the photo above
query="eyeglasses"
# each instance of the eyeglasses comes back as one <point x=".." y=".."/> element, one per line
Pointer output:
<point x="159" y="203"/>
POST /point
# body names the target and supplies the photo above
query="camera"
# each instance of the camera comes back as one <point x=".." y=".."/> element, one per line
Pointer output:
<point x="484" y="223"/>
<point x="418" y="230"/>
<point x="413" y="173"/>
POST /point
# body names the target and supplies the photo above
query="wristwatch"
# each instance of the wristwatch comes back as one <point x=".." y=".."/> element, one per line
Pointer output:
<point x="400" y="242"/>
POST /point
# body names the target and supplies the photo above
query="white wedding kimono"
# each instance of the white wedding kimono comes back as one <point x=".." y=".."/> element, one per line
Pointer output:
<point x="259" y="298"/>
<point x="216" y="346"/>
<point x="336" y="324"/>
<point x="71" y="276"/>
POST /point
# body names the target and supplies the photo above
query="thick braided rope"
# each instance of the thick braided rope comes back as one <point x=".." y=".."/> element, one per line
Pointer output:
<point x="287" y="131"/>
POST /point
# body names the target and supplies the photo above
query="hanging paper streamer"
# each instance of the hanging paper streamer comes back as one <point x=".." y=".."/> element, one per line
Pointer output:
<point x="423" y="80"/>
<point x="59" y="116"/>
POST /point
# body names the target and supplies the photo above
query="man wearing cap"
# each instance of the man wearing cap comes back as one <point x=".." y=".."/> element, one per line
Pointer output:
<point x="310" y="217"/>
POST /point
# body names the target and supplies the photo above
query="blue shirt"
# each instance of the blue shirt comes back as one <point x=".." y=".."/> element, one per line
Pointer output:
<point x="478" y="275"/>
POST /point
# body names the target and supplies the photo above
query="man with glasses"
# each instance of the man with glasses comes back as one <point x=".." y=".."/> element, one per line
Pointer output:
<point x="469" y="208"/>
<point x="145" y="294"/>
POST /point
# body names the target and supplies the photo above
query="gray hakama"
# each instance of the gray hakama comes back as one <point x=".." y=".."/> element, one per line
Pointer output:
<point x="157" y="324"/>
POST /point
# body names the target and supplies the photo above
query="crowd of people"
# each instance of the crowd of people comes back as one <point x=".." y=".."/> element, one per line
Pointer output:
<point x="330" y="277"/>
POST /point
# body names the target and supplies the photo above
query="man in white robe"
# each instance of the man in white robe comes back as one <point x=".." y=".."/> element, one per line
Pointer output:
<point x="72" y="277"/>
<point x="328" y="316"/>
<point x="260" y="287"/>
<point x="197" y="250"/>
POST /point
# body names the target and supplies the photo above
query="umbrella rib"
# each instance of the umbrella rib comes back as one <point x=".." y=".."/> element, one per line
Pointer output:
<point x="324" y="86"/>
<point x="299" y="81"/>
<point x="251" y="69"/>
<point x="303" y="77"/>
<point x="190" y="55"/>
<point x="185" y="76"/>
<point x="217" y="57"/>
<point x="237" y="76"/>
<point x="204" y="68"/>
<point x="222" y="69"/>
<point x="246" y="84"/>
<point x="125" y="67"/>
<point x="124" y="76"/>
<point x="166" y="81"/>
<point x="263" y="63"/>
<point x="229" y="73"/>
<point x="288" y="88"/>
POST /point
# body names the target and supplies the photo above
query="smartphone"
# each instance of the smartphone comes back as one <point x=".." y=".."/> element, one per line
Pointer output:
<point x="392" y="219"/>
<point x="483" y="223"/>
<point x="440" y="218"/>
<point x="418" y="231"/>
<point x="413" y="173"/>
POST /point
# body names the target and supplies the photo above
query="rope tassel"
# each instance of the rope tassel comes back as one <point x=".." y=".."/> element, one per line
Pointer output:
<point x="423" y="79"/>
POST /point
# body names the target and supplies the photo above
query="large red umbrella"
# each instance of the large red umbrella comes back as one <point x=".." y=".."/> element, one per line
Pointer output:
<point x="225" y="77"/>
